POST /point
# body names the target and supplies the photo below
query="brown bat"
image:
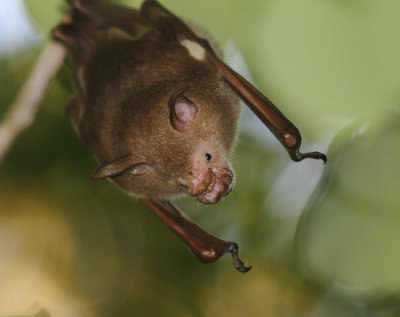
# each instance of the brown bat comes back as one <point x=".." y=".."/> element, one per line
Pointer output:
<point x="159" y="109"/>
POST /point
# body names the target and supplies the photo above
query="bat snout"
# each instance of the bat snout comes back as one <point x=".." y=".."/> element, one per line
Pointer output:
<point x="210" y="186"/>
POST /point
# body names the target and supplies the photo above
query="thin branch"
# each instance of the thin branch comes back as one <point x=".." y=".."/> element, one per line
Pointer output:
<point x="22" y="113"/>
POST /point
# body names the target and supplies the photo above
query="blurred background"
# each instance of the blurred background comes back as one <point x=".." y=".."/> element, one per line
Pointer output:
<point x="324" y="240"/>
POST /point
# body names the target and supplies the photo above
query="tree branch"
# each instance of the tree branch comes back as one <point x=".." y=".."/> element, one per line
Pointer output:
<point x="22" y="113"/>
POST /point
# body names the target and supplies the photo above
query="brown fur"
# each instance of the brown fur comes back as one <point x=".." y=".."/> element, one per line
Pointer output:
<point x="126" y="68"/>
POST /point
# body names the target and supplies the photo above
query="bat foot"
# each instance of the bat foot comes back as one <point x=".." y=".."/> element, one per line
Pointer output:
<point x="239" y="265"/>
<point x="297" y="156"/>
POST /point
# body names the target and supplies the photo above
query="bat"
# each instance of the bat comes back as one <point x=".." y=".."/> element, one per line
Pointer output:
<point x="158" y="109"/>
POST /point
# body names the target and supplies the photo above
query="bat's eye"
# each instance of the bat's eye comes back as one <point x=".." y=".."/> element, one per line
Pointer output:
<point x="208" y="157"/>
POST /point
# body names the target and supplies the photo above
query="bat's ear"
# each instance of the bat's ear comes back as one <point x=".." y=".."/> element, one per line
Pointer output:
<point x="182" y="111"/>
<point x="124" y="164"/>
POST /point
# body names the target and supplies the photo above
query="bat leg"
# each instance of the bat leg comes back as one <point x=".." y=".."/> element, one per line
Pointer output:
<point x="205" y="246"/>
<point x="69" y="31"/>
<point x="65" y="33"/>
<point x="84" y="6"/>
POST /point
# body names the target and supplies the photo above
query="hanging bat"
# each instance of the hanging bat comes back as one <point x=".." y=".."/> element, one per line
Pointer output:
<point x="158" y="108"/>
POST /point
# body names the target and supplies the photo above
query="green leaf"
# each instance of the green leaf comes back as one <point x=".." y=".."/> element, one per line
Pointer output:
<point x="350" y="230"/>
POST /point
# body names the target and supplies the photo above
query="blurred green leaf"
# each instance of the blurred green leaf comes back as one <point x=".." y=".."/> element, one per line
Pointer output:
<point x="349" y="233"/>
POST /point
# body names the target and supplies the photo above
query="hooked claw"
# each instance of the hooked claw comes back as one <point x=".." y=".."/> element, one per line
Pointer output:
<point x="297" y="156"/>
<point x="239" y="265"/>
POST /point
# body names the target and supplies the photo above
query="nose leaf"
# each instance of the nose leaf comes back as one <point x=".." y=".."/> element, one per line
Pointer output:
<point x="210" y="186"/>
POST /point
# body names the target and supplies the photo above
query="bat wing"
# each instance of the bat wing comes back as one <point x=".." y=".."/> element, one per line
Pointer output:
<point x="121" y="165"/>
<point x="89" y="20"/>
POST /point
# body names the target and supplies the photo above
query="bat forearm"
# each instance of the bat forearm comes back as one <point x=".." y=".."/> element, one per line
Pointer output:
<point x="205" y="246"/>
<point x="284" y="130"/>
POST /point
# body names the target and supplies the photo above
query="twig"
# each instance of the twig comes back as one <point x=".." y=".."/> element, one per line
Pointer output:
<point x="22" y="113"/>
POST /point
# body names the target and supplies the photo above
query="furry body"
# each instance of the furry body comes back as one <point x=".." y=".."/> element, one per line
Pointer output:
<point x="126" y="70"/>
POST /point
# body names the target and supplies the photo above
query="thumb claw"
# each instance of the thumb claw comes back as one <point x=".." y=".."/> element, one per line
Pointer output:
<point x="239" y="265"/>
